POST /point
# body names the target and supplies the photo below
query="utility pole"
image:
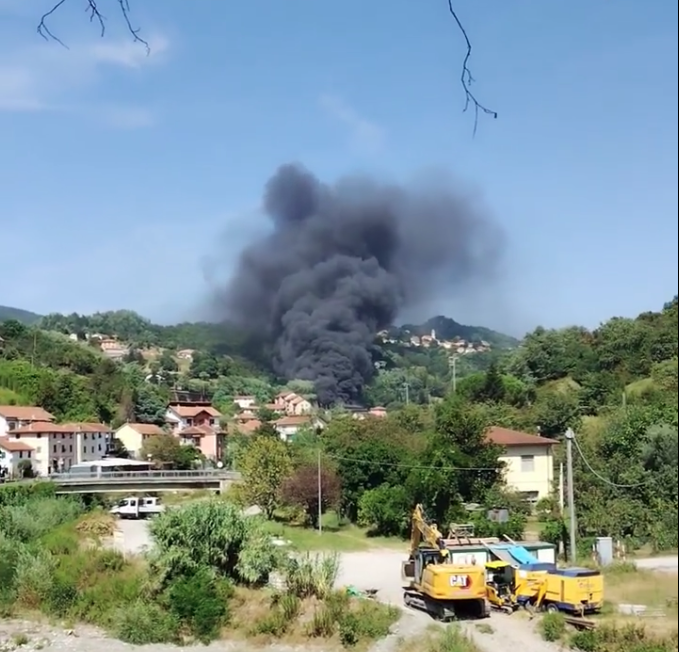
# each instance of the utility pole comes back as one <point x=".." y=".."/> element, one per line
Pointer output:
<point x="320" y="495"/>
<point x="562" y="503"/>
<point x="406" y="387"/>
<point x="452" y="363"/>
<point x="570" y="435"/>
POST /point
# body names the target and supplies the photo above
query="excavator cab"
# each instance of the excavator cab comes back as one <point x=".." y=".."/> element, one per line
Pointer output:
<point x="500" y="586"/>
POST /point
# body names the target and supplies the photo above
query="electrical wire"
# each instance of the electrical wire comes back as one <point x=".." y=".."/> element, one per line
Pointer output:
<point x="601" y="477"/>
<point x="420" y="467"/>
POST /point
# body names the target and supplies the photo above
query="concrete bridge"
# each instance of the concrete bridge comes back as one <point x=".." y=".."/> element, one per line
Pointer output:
<point x="144" y="481"/>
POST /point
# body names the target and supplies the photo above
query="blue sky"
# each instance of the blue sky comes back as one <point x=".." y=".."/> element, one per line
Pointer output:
<point x="132" y="181"/>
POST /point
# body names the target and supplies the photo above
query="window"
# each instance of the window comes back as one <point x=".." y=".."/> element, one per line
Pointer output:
<point x="527" y="463"/>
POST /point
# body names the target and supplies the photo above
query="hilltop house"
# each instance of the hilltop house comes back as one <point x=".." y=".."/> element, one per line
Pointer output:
<point x="292" y="404"/>
<point x="529" y="462"/>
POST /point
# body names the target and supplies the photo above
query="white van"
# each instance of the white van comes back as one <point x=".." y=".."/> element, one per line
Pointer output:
<point x="133" y="507"/>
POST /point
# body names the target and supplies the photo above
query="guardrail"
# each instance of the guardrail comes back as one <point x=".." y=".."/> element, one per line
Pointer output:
<point x="202" y="474"/>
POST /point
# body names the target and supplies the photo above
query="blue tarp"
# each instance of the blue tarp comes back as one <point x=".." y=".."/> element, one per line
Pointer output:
<point x="513" y="554"/>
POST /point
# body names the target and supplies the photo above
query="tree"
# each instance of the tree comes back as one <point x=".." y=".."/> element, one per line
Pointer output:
<point x="264" y="465"/>
<point x="385" y="510"/>
<point x="149" y="404"/>
<point x="166" y="451"/>
<point x="301" y="490"/>
<point x="167" y="362"/>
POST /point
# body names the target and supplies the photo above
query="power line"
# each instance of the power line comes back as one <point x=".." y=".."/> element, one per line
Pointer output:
<point x="421" y="467"/>
<point x="601" y="477"/>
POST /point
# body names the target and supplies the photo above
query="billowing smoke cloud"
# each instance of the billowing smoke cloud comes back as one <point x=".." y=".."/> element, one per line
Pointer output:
<point x="343" y="261"/>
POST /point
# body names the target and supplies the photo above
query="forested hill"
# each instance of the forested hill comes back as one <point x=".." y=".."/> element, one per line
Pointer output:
<point x="23" y="316"/>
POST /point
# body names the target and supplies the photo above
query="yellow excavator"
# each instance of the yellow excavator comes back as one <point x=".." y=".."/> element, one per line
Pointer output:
<point x="509" y="588"/>
<point x="434" y="583"/>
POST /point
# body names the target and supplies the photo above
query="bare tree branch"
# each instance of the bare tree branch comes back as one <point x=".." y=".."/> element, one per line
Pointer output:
<point x="95" y="15"/>
<point x="466" y="77"/>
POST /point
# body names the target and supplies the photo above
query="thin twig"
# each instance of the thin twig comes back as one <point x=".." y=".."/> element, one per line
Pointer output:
<point x="466" y="77"/>
<point x="95" y="14"/>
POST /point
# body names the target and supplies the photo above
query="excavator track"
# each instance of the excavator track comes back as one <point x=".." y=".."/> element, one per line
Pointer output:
<point x="445" y="611"/>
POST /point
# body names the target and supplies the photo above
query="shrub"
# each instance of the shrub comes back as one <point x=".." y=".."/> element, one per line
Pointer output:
<point x="552" y="626"/>
<point x="33" y="577"/>
<point x="198" y="603"/>
<point x="214" y="535"/>
<point x="452" y="639"/>
<point x="29" y="520"/>
<point x="285" y="609"/>
<point x="370" y="620"/>
<point x="630" y="638"/>
<point x="311" y="575"/>
<point x="144" y="623"/>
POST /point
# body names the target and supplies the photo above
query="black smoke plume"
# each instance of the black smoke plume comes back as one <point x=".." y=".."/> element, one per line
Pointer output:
<point x="343" y="261"/>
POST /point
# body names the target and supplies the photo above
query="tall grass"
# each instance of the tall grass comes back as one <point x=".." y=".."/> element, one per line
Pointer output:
<point x="312" y="575"/>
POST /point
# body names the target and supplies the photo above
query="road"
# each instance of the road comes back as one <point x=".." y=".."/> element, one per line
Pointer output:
<point x="661" y="564"/>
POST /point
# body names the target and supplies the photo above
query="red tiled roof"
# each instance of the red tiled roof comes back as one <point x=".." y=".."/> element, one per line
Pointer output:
<point x="293" y="420"/>
<point x="40" y="428"/>
<point x="146" y="428"/>
<point x="194" y="410"/>
<point x="87" y="427"/>
<point x="25" y="413"/>
<point x="14" y="446"/>
<point x="506" y="437"/>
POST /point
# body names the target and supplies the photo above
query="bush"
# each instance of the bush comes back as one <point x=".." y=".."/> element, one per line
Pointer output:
<point x="144" y="623"/>
<point x="213" y="535"/>
<point x="199" y="603"/>
<point x="452" y="639"/>
<point x="285" y="609"/>
<point x="370" y="620"/>
<point x="311" y="576"/>
<point x="552" y="627"/>
<point x="630" y="638"/>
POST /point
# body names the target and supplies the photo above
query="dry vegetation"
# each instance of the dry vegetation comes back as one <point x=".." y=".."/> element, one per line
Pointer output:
<point x="451" y="639"/>
<point x="657" y="591"/>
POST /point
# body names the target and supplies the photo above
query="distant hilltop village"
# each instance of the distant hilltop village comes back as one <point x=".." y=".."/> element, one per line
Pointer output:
<point x="456" y="345"/>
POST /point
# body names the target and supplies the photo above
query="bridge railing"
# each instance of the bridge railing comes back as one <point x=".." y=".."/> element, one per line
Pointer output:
<point x="105" y="476"/>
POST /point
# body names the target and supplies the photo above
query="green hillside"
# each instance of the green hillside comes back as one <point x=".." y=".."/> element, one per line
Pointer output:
<point x="24" y="316"/>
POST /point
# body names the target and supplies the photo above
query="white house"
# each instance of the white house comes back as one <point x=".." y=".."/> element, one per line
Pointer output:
<point x="245" y="402"/>
<point x="133" y="435"/>
<point x="529" y="462"/>
<point x="14" y="416"/>
<point x="184" y="416"/>
<point x="92" y="440"/>
<point x="12" y="453"/>
<point x="55" y="446"/>
<point x="288" y="426"/>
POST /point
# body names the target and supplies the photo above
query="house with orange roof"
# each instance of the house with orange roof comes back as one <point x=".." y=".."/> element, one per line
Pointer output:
<point x="55" y="446"/>
<point x="14" y="416"/>
<point x="133" y="435"/>
<point x="181" y="416"/>
<point x="12" y="454"/>
<point x="210" y="440"/>
<point x="92" y="440"/>
<point x="528" y="460"/>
